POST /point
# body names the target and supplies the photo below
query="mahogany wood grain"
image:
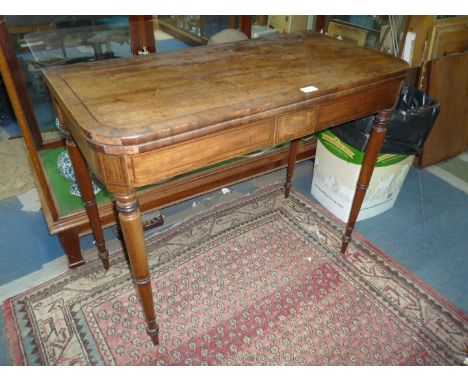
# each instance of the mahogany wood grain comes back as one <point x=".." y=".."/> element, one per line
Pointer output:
<point x="142" y="34"/>
<point x="448" y="84"/>
<point x="320" y="23"/>
<point x="183" y="157"/>
<point x="53" y="143"/>
<point x="195" y="92"/>
<point x="12" y="69"/>
<point x="175" y="190"/>
<point x="132" y="229"/>
<point x="370" y="158"/>
<point x="296" y="124"/>
<point x="16" y="89"/>
<point x="70" y="241"/>
<point x="291" y="164"/>
<point x="245" y="25"/>
<point x="200" y="106"/>
<point x="84" y="183"/>
<point x="85" y="186"/>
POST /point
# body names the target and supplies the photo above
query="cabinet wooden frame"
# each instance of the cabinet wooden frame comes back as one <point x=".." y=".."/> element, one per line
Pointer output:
<point x="69" y="227"/>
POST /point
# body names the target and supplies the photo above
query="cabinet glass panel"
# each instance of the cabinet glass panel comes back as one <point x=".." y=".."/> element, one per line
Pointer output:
<point x="42" y="41"/>
<point x="383" y="33"/>
<point x="195" y="30"/>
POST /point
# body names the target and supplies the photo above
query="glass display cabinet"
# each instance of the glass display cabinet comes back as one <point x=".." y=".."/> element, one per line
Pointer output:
<point x="41" y="41"/>
<point x="28" y="44"/>
<point x="384" y="33"/>
<point x="196" y="30"/>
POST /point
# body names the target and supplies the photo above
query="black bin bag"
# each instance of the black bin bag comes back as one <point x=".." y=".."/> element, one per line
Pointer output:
<point x="409" y="126"/>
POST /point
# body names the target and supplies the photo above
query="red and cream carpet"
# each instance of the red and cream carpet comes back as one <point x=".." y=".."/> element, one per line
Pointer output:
<point x="256" y="281"/>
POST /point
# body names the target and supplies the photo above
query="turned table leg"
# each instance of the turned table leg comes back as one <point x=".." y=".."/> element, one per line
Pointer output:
<point x="370" y="158"/>
<point x="83" y="180"/>
<point x="293" y="146"/>
<point x="132" y="229"/>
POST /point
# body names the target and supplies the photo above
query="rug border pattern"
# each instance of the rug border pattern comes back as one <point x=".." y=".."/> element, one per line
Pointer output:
<point x="20" y="349"/>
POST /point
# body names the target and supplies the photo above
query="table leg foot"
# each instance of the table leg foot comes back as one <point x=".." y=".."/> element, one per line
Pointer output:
<point x="104" y="256"/>
<point x="370" y="158"/>
<point x="344" y="243"/>
<point x="154" y="335"/>
<point x="132" y="230"/>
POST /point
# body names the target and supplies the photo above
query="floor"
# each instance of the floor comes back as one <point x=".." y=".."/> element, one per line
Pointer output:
<point x="425" y="232"/>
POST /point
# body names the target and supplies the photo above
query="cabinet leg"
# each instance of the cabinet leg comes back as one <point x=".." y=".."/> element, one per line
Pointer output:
<point x="132" y="229"/>
<point x="70" y="241"/>
<point x="293" y="146"/>
<point x="370" y="158"/>
<point x="83" y="179"/>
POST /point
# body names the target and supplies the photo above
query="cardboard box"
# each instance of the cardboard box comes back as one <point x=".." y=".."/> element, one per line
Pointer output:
<point x="336" y="171"/>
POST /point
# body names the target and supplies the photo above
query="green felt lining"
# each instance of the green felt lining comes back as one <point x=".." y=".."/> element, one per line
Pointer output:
<point x="67" y="203"/>
<point x="60" y="187"/>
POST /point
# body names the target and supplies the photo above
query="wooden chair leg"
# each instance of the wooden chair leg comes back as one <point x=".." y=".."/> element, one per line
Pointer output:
<point x="370" y="158"/>
<point x="293" y="146"/>
<point x="70" y="241"/>
<point x="83" y="180"/>
<point x="132" y="229"/>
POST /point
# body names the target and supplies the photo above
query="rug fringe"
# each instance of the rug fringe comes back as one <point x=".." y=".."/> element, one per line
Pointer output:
<point x="11" y="334"/>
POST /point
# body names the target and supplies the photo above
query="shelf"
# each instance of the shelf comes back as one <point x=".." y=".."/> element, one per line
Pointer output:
<point x="71" y="214"/>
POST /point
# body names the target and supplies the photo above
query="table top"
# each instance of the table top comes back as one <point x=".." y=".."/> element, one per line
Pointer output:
<point x="143" y="99"/>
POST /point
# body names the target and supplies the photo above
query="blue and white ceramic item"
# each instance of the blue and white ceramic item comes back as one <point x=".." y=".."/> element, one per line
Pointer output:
<point x="59" y="127"/>
<point x="97" y="186"/>
<point x="65" y="168"/>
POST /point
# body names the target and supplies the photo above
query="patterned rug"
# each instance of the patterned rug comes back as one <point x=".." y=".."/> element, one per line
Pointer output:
<point x="256" y="281"/>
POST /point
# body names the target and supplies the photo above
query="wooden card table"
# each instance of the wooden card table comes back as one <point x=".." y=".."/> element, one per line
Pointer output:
<point x="140" y="120"/>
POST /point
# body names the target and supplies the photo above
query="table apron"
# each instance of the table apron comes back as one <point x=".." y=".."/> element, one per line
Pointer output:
<point x="119" y="172"/>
